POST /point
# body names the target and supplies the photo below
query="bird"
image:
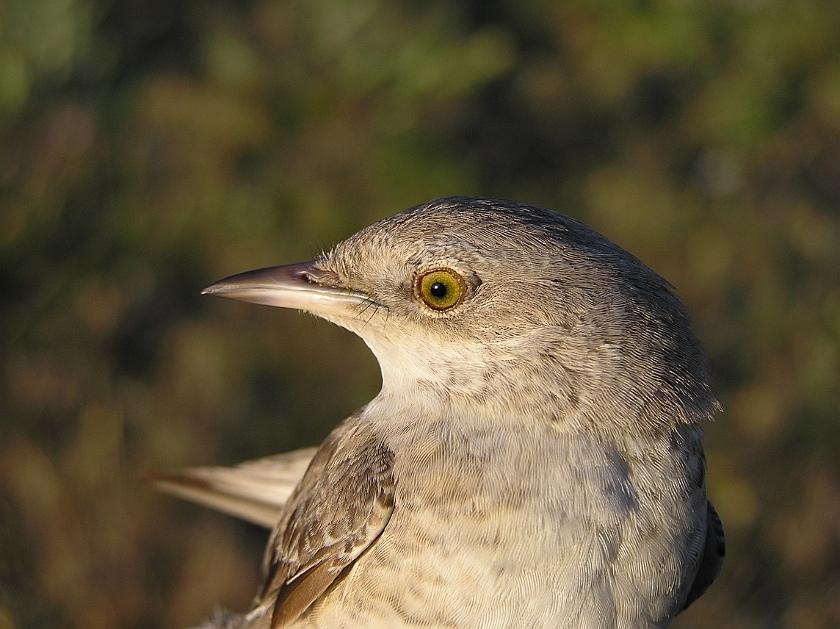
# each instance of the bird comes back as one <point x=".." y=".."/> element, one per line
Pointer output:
<point x="534" y="457"/>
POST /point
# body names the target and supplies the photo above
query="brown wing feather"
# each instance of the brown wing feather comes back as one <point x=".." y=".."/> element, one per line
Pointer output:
<point x="341" y="506"/>
<point x="296" y="597"/>
<point x="713" y="554"/>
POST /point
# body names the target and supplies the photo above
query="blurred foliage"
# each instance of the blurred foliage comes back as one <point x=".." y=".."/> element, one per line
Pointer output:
<point x="149" y="147"/>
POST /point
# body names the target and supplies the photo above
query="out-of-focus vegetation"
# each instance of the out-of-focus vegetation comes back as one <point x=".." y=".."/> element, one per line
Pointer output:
<point x="149" y="147"/>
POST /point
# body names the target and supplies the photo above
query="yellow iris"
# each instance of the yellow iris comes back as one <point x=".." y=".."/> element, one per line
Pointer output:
<point x="440" y="289"/>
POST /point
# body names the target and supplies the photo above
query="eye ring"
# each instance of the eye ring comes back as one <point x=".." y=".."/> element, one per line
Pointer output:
<point x="440" y="289"/>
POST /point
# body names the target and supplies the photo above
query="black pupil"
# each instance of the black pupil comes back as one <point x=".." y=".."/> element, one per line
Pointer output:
<point x="438" y="289"/>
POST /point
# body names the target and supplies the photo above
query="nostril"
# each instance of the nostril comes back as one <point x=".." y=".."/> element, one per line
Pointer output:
<point x="310" y="277"/>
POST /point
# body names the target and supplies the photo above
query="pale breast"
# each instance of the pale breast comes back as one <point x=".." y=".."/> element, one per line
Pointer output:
<point x="519" y="530"/>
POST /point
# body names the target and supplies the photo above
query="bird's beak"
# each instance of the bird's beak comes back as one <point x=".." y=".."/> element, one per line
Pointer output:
<point x="290" y="286"/>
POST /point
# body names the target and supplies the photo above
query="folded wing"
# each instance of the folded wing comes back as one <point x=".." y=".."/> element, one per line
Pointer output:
<point x="712" y="559"/>
<point x="339" y="510"/>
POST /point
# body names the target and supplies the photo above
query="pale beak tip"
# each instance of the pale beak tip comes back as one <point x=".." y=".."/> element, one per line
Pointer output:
<point x="214" y="289"/>
<point x="227" y="285"/>
<point x="225" y="288"/>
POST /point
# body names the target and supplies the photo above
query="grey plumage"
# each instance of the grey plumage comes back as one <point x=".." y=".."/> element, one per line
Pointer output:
<point x="534" y="457"/>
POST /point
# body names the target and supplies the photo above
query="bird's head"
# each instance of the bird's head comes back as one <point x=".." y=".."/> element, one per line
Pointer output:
<point x="512" y="309"/>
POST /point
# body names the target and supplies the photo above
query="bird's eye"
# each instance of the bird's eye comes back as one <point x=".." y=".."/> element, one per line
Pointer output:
<point x="440" y="289"/>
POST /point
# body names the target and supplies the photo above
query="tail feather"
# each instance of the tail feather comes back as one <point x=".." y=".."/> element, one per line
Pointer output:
<point x="254" y="491"/>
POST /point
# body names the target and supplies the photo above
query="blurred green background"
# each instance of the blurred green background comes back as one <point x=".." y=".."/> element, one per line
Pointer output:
<point x="149" y="147"/>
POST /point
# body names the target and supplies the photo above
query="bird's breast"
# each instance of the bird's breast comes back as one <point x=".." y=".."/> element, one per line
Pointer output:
<point x="487" y="531"/>
<point x="514" y="528"/>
